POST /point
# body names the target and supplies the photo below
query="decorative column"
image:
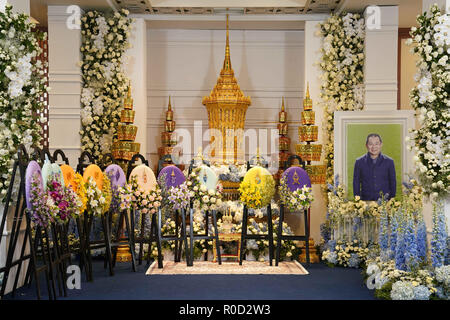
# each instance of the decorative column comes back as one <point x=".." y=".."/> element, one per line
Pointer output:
<point x="313" y="43"/>
<point x="65" y="83"/>
<point x="124" y="147"/>
<point x="308" y="133"/>
<point x="445" y="6"/>
<point x="135" y="66"/>
<point x="19" y="6"/>
<point x="380" y="66"/>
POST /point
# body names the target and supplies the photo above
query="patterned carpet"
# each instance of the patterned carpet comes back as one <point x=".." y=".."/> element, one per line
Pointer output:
<point x="208" y="267"/>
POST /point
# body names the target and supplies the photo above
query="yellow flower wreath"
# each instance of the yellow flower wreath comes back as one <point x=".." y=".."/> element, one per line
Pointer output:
<point x="258" y="188"/>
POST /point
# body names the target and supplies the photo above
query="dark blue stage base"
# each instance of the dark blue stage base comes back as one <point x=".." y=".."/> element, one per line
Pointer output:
<point x="322" y="283"/>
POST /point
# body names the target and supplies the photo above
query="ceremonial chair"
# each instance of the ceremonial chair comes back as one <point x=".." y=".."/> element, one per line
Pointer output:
<point x="41" y="238"/>
<point x="280" y="236"/>
<point x="244" y="236"/>
<point x="179" y="237"/>
<point x="206" y="237"/>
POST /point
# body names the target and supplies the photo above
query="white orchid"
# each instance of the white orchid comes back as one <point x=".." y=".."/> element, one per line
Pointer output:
<point x="105" y="85"/>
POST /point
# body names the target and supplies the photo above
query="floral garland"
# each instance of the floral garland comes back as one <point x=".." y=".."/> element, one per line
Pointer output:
<point x="300" y="199"/>
<point x="203" y="198"/>
<point x="22" y="84"/>
<point x="342" y="63"/>
<point x="43" y="208"/>
<point x="430" y="100"/>
<point x="80" y="189"/>
<point x="65" y="199"/>
<point x="257" y="196"/>
<point x="104" y="41"/>
<point x="144" y="201"/>
<point x="179" y="197"/>
<point x="98" y="201"/>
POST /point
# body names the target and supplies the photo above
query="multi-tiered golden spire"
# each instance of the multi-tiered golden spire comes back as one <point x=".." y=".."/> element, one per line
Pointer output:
<point x="124" y="147"/>
<point x="284" y="140"/>
<point x="308" y="133"/>
<point x="226" y="106"/>
<point x="169" y="136"/>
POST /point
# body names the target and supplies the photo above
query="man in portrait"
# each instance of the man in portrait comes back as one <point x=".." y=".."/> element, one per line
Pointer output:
<point x="374" y="172"/>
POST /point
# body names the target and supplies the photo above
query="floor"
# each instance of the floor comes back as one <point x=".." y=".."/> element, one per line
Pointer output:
<point x="323" y="282"/>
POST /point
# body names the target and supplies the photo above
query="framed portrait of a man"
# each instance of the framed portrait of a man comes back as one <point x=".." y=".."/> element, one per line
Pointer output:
<point x="370" y="152"/>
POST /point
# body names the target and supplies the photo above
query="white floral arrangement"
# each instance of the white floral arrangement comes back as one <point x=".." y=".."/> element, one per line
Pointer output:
<point x="260" y="248"/>
<point x="430" y="99"/>
<point x="104" y="41"/>
<point x="231" y="172"/>
<point x="300" y="199"/>
<point x="203" y="199"/>
<point x="351" y="254"/>
<point x="406" y="285"/>
<point x="342" y="63"/>
<point x="340" y="207"/>
<point x="22" y="84"/>
<point x="96" y="201"/>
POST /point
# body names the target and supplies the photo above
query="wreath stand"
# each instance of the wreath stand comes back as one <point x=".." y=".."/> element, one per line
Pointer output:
<point x="86" y="245"/>
<point x="141" y="238"/>
<point x="280" y="236"/>
<point x="156" y="228"/>
<point x="41" y="236"/>
<point x="245" y="236"/>
<point x="195" y="237"/>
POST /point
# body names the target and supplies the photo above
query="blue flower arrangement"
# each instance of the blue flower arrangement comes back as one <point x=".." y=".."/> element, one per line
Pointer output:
<point x="421" y="240"/>
<point x="439" y="238"/>
<point x="393" y="238"/>
<point x="411" y="254"/>
<point x="400" y="247"/>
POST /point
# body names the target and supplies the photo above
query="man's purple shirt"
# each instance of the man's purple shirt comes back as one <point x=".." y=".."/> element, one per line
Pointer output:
<point x="370" y="179"/>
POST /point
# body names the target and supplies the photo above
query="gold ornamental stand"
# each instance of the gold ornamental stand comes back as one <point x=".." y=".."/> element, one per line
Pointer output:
<point x="226" y="106"/>
<point x="308" y="133"/>
<point x="123" y="149"/>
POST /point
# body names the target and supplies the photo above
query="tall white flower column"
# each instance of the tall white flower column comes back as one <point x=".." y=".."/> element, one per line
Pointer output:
<point x="441" y="39"/>
<point x="22" y="84"/>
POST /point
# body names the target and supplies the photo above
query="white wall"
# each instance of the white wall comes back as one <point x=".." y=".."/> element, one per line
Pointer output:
<point x="380" y="67"/>
<point x="186" y="64"/>
<point x="65" y="83"/>
<point x="135" y="64"/>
